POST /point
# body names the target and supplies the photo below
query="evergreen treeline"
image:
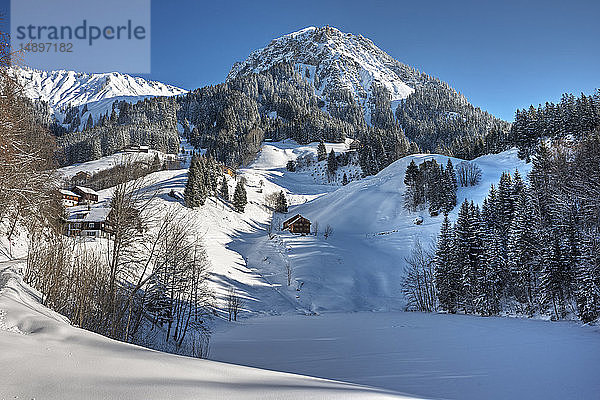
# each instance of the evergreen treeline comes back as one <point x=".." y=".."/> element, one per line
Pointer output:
<point x="150" y="122"/>
<point x="232" y="119"/>
<point x="430" y="183"/>
<point x="384" y="141"/>
<point x="572" y="116"/>
<point x="439" y="119"/>
<point x="532" y="247"/>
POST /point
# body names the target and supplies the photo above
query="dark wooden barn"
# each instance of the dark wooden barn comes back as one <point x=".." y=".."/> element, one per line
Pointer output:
<point x="297" y="224"/>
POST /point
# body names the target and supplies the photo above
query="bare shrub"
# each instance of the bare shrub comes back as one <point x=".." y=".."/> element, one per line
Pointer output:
<point x="468" y="174"/>
<point x="271" y="200"/>
<point x="155" y="272"/>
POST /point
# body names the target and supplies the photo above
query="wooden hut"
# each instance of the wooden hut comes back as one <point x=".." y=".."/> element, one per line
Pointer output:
<point x="297" y="224"/>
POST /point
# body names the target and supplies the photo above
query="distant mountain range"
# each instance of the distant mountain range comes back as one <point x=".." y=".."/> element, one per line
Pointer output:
<point x="63" y="89"/>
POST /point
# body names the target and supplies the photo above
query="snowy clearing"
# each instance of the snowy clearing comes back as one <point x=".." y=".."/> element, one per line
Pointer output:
<point x="425" y="355"/>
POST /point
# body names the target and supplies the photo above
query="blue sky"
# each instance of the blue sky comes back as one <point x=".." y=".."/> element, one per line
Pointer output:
<point x="501" y="55"/>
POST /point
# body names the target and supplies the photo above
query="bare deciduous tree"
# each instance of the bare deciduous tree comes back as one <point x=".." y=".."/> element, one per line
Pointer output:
<point x="271" y="200"/>
<point x="234" y="304"/>
<point x="468" y="174"/>
<point x="418" y="284"/>
<point x="328" y="231"/>
<point x="27" y="150"/>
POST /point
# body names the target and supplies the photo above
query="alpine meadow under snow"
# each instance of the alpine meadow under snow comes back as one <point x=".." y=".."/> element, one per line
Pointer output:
<point x="148" y="246"/>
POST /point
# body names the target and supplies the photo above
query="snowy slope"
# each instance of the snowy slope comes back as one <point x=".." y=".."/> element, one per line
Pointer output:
<point x="374" y="204"/>
<point x="358" y="268"/>
<point x="44" y="357"/>
<point x="108" y="162"/>
<point x="62" y="88"/>
<point x="332" y="60"/>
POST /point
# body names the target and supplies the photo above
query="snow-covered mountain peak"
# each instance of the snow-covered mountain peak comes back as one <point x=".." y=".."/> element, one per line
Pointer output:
<point x="334" y="60"/>
<point x="60" y="88"/>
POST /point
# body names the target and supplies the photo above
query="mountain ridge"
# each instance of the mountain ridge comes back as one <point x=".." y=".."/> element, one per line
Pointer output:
<point x="349" y="71"/>
<point x="59" y="88"/>
<point x="330" y="58"/>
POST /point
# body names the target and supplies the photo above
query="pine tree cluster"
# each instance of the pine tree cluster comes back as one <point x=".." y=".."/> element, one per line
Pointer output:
<point x="532" y="248"/>
<point x="150" y="122"/>
<point x="430" y="183"/>
<point x="202" y="181"/>
<point x="232" y="119"/>
<point x="574" y="117"/>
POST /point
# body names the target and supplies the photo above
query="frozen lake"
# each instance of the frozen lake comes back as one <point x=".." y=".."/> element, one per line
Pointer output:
<point x="426" y="355"/>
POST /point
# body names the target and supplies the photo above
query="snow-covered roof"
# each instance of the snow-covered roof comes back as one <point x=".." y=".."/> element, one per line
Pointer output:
<point x="294" y="219"/>
<point x="68" y="193"/>
<point x="86" y="190"/>
<point x="85" y="214"/>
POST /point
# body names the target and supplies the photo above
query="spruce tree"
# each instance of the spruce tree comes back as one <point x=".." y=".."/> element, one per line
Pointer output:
<point x="191" y="193"/>
<point x="224" y="189"/>
<point x="449" y="187"/>
<point x="434" y="187"/>
<point x="541" y="183"/>
<point x="505" y="208"/>
<point x="321" y="151"/>
<point x="524" y="253"/>
<point x="332" y="163"/>
<point x="588" y="279"/>
<point x="554" y="277"/>
<point x="447" y="277"/>
<point x="200" y="180"/>
<point x="239" y="197"/>
<point x="412" y="182"/>
<point x="462" y="254"/>
<point x="493" y="274"/>
<point x="281" y="205"/>
<point x="156" y="164"/>
<point x="472" y="275"/>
